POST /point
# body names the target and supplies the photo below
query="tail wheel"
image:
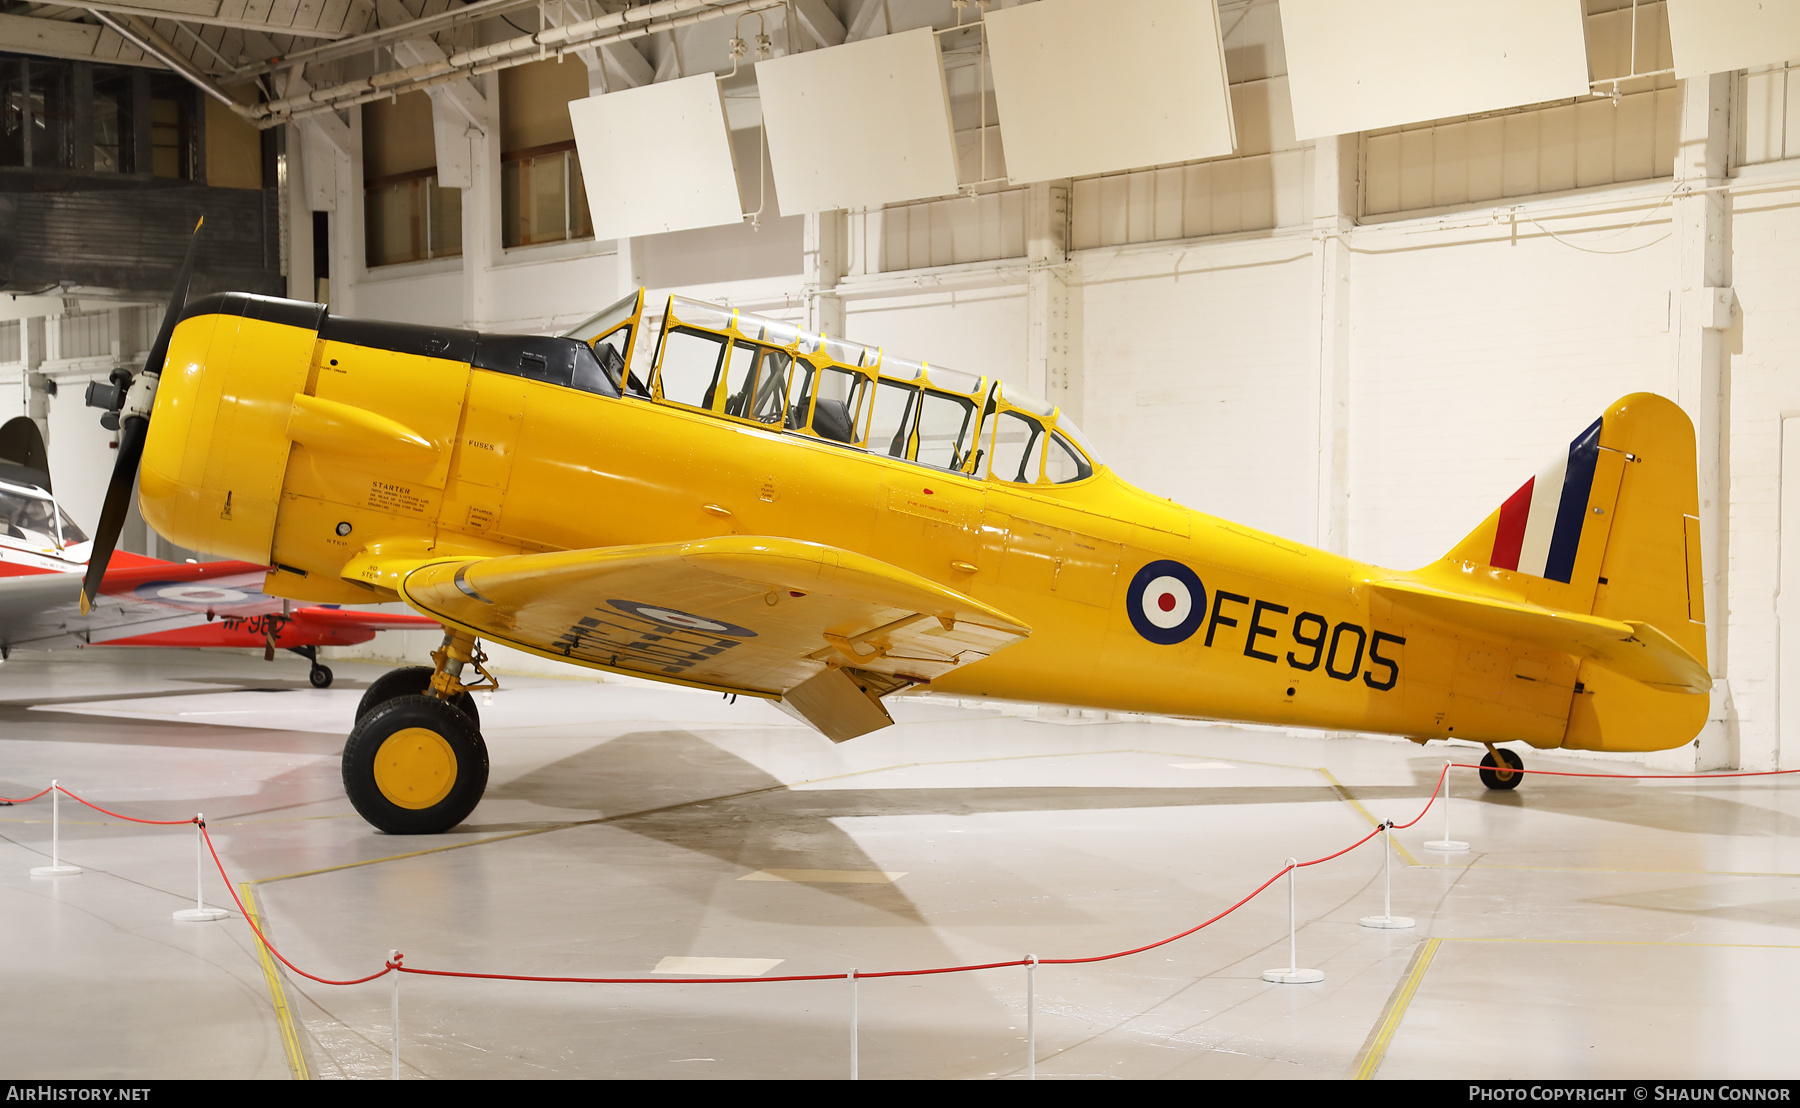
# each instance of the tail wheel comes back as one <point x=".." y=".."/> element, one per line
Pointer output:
<point x="1496" y="775"/>
<point x="410" y="681"/>
<point x="415" y="766"/>
<point x="320" y="676"/>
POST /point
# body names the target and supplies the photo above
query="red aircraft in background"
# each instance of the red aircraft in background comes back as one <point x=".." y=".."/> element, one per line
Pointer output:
<point x="143" y="601"/>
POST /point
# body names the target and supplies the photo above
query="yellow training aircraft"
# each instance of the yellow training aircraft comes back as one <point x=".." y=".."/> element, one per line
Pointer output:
<point x="783" y="515"/>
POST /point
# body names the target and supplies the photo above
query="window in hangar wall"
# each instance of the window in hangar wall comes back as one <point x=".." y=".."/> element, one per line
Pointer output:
<point x="173" y="151"/>
<point x="61" y="114"/>
<point x="1440" y="163"/>
<point x="407" y="216"/>
<point x="35" y="110"/>
<point x="542" y="195"/>
<point x="1769" y="103"/>
<point x="1262" y="185"/>
<point x="1541" y="148"/>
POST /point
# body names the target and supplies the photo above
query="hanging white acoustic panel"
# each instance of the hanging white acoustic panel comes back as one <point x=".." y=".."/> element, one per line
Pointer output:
<point x="1717" y="36"/>
<point x="657" y="158"/>
<point x="858" y="125"/>
<point x="1089" y="86"/>
<point x="1380" y="63"/>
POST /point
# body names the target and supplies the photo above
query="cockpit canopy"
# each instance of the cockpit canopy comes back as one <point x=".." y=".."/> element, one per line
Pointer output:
<point x="744" y="367"/>
<point x="31" y="518"/>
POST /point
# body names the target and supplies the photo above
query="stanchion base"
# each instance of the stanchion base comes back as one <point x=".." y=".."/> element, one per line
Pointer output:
<point x="1387" y="921"/>
<point x="55" y="871"/>
<point x="200" y="915"/>
<point x="1286" y="976"/>
<point x="1447" y="846"/>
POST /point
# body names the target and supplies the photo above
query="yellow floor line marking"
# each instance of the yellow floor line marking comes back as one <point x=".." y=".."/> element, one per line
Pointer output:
<point x="284" y="1016"/>
<point x="1344" y="793"/>
<point x="1620" y="942"/>
<point x="1375" y="1049"/>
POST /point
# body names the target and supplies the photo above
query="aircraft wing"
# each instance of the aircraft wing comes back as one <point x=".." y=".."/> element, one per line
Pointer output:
<point x="1634" y="649"/>
<point x="39" y="611"/>
<point x="826" y="630"/>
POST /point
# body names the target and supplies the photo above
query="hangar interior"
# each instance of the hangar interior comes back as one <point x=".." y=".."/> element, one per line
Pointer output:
<point x="1362" y="342"/>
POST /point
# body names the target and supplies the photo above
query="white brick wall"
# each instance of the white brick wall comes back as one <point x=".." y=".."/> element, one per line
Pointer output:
<point x="1475" y="358"/>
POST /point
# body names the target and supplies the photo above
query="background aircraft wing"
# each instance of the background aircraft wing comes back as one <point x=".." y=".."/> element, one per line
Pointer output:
<point x="751" y="614"/>
<point x="40" y="611"/>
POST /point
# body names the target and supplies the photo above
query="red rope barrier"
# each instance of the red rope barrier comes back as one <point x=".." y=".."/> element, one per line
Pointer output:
<point x="116" y="815"/>
<point x="396" y="966"/>
<point x="1429" y="801"/>
<point x="27" y="799"/>
<point x="1630" y="776"/>
<point x="264" y="939"/>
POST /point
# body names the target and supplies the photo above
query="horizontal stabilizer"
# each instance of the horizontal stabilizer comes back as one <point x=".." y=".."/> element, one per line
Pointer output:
<point x="1628" y="647"/>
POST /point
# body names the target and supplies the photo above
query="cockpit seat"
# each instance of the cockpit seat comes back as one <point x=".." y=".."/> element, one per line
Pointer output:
<point x="831" y="420"/>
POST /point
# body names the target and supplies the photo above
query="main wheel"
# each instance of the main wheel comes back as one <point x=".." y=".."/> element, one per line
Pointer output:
<point x="1494" y="777"/>
<point x="415" y="766"/>
<point x="320" y="676"/>
<point x="409" y="681"/>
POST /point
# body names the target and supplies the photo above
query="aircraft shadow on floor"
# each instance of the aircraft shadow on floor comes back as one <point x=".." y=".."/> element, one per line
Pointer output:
<point x="747" y="817"/>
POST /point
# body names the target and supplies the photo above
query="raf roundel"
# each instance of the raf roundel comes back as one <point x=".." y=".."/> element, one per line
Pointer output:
<point x="178" y="593"/>
<point x="669" y="617"/>
<point x="1166" y="602"/>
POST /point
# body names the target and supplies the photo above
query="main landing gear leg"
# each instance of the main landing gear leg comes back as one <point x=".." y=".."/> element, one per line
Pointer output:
<point x="416" y="763"/>
<point x="1499" y="769"/>
<point x="319" y="675"/>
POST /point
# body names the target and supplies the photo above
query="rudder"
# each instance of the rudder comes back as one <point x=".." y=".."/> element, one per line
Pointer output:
<point x="1609" y="529"/>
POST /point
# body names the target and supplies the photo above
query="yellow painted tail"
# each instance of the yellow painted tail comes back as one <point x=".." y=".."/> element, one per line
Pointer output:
<point x="1607" y="536"/>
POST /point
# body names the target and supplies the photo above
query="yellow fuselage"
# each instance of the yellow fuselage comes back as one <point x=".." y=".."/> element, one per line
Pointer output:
<point x="1290" y="635"/>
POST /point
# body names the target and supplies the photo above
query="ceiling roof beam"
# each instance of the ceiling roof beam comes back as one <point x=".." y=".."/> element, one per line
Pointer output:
<point x="385" y="36"/>
<point x="664" y="15"/>
<point x="143" y="36"/>
<point x="55" y="38"/>
<point x="818" y="21"/>
<point x="194" y="11"/>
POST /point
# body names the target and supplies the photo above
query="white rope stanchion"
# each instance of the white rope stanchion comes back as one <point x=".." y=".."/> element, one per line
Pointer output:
<point x="200" y="913"/>
<point x="1293" y="974"/>
<point x="1031" y="1017"/>
<point x="56" y="867"/>
<point x="394" y="959"/>
<point x="1387" y="918"/>
<point x="1447" y="844"/>
<point x="852" y="976"/>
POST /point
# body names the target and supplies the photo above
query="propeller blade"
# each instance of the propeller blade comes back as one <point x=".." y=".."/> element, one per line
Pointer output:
<point x="134" y="426"/>
<point x="159" y="350"/>
<point x="118" y="503"/>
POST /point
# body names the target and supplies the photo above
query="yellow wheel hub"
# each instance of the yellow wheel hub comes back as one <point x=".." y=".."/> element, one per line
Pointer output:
<point x="415" y="768"/>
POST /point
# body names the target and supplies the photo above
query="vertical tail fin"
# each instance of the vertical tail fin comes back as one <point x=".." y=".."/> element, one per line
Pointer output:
<point x="1611" y="528"/>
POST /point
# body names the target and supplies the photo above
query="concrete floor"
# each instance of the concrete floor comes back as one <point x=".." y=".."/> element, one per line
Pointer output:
<point x="1597" y="929"/>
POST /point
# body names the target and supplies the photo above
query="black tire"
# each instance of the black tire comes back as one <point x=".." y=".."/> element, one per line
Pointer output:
<point x="425" y="784"/>
<point x="409" y="681"/>
<point x="1494" y="777"/>
<point x="320" y="676"/>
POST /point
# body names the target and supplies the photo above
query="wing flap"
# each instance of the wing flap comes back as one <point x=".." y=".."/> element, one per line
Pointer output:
<point x="1629" y="647"/>
<point x="752" y="614"/>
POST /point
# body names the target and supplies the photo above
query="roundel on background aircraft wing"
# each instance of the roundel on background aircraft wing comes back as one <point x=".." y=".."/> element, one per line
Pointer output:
<point x="669" y="617"/>
<point x="198" y="594"/>
<point x="1166" y="602"/>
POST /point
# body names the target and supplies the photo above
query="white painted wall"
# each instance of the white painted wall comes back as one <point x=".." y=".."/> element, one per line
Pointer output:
<point x="1477" y="356"/>
<point x="1198" y="373"/>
